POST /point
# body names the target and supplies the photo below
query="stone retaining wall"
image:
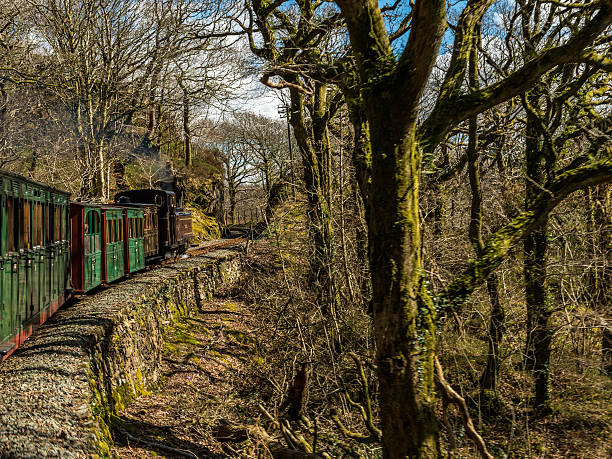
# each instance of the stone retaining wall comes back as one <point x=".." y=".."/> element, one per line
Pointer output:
<point x="59" y="392"/>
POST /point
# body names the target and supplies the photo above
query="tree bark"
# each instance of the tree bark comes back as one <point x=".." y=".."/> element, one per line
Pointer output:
<point x="187" y="125"/>
<point x="404" y="314"/>
<point x="537" y="302"/>
<point x="600" y="279"/>
<point x="313" y="142"/>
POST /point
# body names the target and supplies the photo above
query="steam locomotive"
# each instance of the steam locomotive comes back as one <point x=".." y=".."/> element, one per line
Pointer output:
<point x="51" y="248"/>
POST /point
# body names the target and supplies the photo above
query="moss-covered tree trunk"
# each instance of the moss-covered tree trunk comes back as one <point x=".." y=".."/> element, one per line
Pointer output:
<point x="186" y="125"/>
<point x="404" y="315"/>
<point x="488" y="380"/>
<point x="313" y="142"/>
<point x="600" y="278"/>
<point x="539" y="309"/>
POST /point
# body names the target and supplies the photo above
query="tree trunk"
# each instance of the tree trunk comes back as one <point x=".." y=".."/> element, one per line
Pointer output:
<point x="539" y="332"/>
<point x="606" y="350"/>
<point x="404" y="314"/>
<point x="489" y="378"/>
<point x="317" y="159"/>
<point x="600" y="278"/>
<point x="539" y="310"/>
<point x="233" y="201"/>
<point x="187" y="126"/>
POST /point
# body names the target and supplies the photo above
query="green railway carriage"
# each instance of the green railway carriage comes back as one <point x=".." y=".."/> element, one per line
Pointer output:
<point x="113" y="235"/>
<point x="34" y="256"/>
<point x="51" y="247"/>
<point x="135" y="239"/>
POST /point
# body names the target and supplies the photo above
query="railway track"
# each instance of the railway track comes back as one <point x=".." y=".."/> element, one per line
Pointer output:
<point x="197" y="251"/>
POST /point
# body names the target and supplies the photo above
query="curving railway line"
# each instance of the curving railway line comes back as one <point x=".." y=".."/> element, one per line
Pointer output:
<point x="52" y="248"/>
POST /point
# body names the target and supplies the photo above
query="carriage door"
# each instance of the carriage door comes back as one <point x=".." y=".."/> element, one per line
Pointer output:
<point x="37" y="270"/>
<point x="5" y="299"/>
<point x="92" y="248"/>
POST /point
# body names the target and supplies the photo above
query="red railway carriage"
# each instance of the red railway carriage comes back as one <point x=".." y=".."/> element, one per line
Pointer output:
<point x="86" y="246"/>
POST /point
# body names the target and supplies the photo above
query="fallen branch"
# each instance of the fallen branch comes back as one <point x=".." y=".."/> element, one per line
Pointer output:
<point x="285" y="453"/>
<point x="451" y="396"/>
<point x="161" y="446"/>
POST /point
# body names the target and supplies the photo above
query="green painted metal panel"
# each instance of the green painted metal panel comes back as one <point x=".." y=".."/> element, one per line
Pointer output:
<point x="22" y="290"/>
<point x="12" y="276"/>
<point x="114" y="244"/>
<point x="92" y="248"/>
<point x="135" y="218"/>
<point x="31" y="276"/>
<point x="7" y="312"/>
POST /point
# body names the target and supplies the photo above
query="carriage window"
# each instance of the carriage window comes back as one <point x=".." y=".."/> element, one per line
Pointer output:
<point x="37" y="224"/>
<point x="57" y="223"/>
<point x="92" y="231"/>
<point x="47" y="220"/>
<point x="40" y="224"/>
<point x="26" y="225"/>
<point x="120" y="233"/>
<point x="108" y="232"/>
<point x="65" y="224"/>
<point x="140" y="227"/>
<point x="13" y="227"/>
<point x="93" y="220"/>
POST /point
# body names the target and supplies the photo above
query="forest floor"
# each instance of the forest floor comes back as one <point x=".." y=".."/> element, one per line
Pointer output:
<point x="216" y="379"/>
<point x="205" y="389"/>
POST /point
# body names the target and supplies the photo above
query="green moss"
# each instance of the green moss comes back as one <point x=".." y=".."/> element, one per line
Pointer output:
<point x="169" y="349"/>
<point x="205" y="227"/>
<point x="127" y="392"/>
<point x="101" y="413"/>
<point x="231" y="306"/>
<point x="241" y="338"/>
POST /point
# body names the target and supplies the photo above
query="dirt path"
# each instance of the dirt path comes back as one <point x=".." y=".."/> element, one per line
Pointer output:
<point x="205" y="382"/>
